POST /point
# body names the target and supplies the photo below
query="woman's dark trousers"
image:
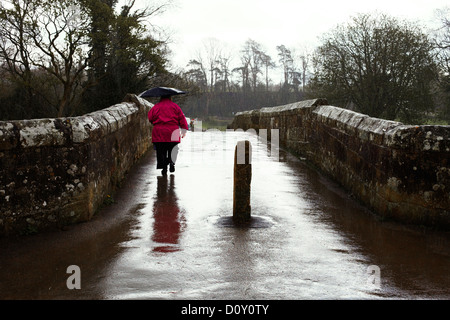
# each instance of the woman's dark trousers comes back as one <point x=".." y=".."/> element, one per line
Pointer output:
<point x="166" y="153"/>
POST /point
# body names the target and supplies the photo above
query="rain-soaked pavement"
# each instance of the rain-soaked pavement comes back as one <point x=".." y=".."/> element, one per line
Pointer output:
<point x="169" y="238"/>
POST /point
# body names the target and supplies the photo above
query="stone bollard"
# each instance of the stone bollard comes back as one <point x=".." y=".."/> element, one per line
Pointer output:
<point x="242" y="182"/>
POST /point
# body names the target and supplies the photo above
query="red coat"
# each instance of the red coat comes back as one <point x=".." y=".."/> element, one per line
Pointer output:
<point x="167" y="118"/>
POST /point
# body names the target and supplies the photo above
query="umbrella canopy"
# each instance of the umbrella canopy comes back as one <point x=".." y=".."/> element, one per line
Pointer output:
<point x="161" y="92"/>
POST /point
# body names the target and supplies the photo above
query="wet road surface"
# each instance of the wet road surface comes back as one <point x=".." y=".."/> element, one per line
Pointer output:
<point x="171" y="238"/>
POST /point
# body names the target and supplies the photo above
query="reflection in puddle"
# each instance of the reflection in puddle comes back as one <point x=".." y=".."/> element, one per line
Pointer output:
<point x="255" y="222"/>
<point x="169" y="219"/>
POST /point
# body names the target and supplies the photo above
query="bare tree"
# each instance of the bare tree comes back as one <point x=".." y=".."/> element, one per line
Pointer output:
<point x="213" y="50"/>
<point x="268" y="64"/>
<point x="305" y="61"/>
<point x="46" y="35"/>
<point x="252" y="55"/>
<point x="286" y="60"/>
<point x="16" y="43"/>
<point x="61" y="40"/>
<point x="225" y="72"/>
<point x="382" y="66"/>
<point x="197" y="74"/>
<point x="442" y="43"/>
<point x="244" y="71"/>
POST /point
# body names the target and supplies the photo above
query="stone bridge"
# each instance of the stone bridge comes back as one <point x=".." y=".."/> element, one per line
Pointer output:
<point x="401" y="172"/>
<point x="55" y="172"/>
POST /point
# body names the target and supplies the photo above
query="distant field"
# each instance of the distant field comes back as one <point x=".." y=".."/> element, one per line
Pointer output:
<point x="216" y="123"/>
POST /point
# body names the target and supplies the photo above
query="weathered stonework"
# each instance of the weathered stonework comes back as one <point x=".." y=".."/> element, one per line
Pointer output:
<point x="401" y="172"/>
<point x="55" y="172"/>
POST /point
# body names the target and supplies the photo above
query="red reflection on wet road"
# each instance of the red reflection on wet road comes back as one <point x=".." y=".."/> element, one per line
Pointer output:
<point x="168" y="217"/>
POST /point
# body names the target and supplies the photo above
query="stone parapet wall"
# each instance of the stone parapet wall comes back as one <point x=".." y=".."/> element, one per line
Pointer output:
<point x="400" y="171"/>
<point x="55" y="172"/>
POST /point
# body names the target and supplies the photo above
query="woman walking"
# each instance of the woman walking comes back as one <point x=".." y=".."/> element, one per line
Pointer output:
<point x="167" y="119"/>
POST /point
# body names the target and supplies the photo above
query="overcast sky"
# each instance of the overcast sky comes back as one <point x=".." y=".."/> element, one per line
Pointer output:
<point x="294" y="23"/>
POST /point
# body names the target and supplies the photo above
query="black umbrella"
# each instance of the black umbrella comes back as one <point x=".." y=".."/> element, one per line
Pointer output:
<point x="161" y="92"/>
